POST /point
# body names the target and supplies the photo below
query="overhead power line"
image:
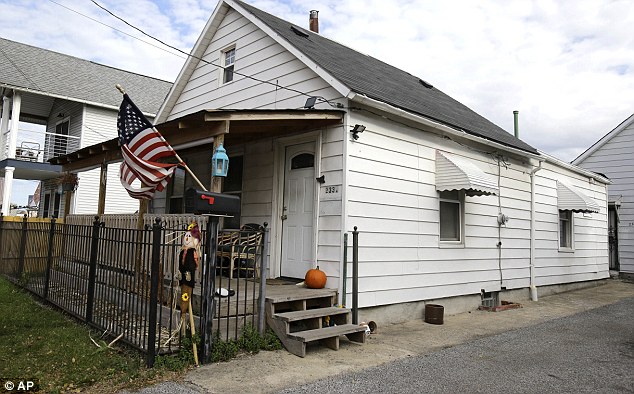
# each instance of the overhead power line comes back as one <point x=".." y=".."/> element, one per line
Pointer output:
<point x="277" y="86"/>
<point x="115" y="29"/>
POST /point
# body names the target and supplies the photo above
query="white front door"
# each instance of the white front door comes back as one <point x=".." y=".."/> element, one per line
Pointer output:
<point x="297" y="212"/>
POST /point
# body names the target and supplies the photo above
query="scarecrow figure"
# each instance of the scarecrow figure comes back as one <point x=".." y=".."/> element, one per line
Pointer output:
<point x="188" y="259"/>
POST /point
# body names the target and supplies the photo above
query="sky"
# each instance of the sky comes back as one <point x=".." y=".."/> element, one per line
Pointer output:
<point x="566" y="66"/>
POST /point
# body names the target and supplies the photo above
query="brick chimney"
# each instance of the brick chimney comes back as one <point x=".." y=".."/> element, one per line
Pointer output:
<point x="314" y="21"/>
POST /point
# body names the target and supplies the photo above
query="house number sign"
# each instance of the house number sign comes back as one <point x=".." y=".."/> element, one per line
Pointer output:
<point x="331" y="192"/>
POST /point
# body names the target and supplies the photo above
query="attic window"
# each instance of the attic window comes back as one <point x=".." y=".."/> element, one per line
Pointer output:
<point x="425" y="84"/>
<point x="229" y="60"/>
<point x="299" y="32"/>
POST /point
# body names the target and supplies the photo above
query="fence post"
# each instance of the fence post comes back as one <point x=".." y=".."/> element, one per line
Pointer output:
<point x="49" y="258"/>
<point x="355" y="276"/>
<point x="154" y="284"/>
<point x="208" y="289"/>
<point x="2" y="249"/>
<point x="264" y="265"/>
<point x="92" y="273"/>
<point x="22" y="248"/>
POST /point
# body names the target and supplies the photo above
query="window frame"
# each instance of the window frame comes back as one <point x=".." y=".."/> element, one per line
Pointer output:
<point x="60" y="140"/>
<point x="227" y="70"/>
<point x="176" y="198"/>
<point x="46" y="205"/>
<point x="460" y="201"/>
<point x="570" y="246"/>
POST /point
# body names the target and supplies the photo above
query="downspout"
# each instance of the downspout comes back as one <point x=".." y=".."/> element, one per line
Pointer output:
<point x="500" y="223"/>
<point x="532" y="287"/>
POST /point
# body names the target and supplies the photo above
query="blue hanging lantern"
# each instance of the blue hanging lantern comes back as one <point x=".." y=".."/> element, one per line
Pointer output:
<point x="220" y="162"/>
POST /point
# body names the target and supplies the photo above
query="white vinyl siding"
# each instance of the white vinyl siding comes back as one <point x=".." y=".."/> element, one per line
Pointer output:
<point x="101" y="125"/>
<point x="257" y="55"/>
<point x="329" y="230"/>
<point x="393" y="201"/>
<point x="588" y="257"/>
<point x="615" y="159"/>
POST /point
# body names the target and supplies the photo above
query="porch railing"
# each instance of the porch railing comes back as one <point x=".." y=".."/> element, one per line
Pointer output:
<point x="123" y="280"/>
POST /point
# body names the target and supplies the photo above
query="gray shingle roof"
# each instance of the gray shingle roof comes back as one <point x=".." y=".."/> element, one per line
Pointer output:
<point x="378" y="80"/>
<point x="41" y="70"/>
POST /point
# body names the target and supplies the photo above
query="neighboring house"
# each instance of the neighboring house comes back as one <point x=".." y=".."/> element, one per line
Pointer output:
<point x="613" y="155"/>
<point x="448" y="204"/>
<point x="77" y="102"/>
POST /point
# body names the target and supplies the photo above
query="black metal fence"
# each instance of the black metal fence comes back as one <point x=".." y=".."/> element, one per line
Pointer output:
<point x="125" y="281"/>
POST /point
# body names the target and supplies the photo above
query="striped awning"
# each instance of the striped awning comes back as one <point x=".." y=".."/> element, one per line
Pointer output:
<point x="459" y="173"/>
<point x="571" y="199"/>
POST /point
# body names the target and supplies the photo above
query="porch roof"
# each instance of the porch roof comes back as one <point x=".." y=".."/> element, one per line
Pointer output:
<point x="201" y="127"/>
<point x="30" y="170"/>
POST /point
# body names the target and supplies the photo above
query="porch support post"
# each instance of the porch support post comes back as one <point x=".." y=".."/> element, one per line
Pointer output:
<point x="4" y="126"/>
<point x="103" y="179"/>
<point x="216" y="182"/>
<point x="68" y="196"/>
<point x="6" y="193"/>
<point x="15" y="119"/>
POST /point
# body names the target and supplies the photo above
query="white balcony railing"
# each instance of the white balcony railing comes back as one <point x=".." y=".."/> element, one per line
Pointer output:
<point x="39" y="146"/>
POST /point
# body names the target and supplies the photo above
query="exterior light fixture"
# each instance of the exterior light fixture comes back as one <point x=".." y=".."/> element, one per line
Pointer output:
<point x="310" y="103"/>
<point x="356" y="130"/>
<point x="220" y="162"/>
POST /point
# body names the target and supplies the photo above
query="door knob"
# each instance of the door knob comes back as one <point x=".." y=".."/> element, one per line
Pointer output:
<point x="284" y="217"/>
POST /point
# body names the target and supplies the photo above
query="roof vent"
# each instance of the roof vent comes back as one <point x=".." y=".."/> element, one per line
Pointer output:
<point x="299" y="32"/>
<point x="426" y="84"/>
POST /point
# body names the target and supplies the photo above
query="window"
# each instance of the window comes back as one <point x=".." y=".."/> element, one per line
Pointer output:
<point x="233" y="185"/>
<point x="60" y="140"/>
<point x="304" y="160"/>
<point x="177" y="191"/>
<point x="229" y="59"/>
<point x="47" y="205"/>
<point x="565" y="229"/>
<point x="451" y="203"/>
<point x="56" y="205"/>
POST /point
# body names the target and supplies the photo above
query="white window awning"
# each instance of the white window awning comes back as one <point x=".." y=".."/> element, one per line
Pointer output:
<point x="458" y="173"/>
<point x="571" y="199"/>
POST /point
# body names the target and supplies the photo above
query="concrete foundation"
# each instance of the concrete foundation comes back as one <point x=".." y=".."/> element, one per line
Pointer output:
<point x="404" y="312"/>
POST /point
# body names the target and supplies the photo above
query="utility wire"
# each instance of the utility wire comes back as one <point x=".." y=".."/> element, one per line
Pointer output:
<point x="277" y="86"/>
<point x="19" y="70"/>
<point x="115" y="29"/>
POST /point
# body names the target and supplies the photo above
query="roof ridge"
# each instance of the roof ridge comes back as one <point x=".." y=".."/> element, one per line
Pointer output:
<point x="381" y="81"/>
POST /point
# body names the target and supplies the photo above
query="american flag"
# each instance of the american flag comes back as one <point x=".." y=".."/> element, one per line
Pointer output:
<point x="141" y="147"/>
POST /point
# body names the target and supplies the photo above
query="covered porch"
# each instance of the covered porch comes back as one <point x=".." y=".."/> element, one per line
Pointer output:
<point x="258" y="144"/>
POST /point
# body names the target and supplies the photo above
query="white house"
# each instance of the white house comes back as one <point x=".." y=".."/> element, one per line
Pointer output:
<point x="323" y="139"/>
<point x="76" y="101"/>
<point x="613" y="155"/>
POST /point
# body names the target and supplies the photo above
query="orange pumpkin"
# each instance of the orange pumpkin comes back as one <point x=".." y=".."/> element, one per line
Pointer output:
<point x="315" y="279"/>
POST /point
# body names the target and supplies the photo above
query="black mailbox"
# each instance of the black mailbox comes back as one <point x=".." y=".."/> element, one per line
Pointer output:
<point x="199" y="202"/>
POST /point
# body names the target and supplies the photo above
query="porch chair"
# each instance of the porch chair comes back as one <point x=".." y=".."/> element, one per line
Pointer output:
<point x="242" y="249"/>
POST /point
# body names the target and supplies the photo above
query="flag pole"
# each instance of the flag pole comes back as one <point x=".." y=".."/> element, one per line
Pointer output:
<point x="181" y="162"/>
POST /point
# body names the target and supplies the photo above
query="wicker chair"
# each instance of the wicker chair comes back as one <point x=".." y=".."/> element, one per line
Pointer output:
<point x="241" y="250"/>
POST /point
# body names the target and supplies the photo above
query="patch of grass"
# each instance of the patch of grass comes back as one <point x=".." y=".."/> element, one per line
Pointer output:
<point x="250" y="341"/>
<point x="43" y="345"/>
